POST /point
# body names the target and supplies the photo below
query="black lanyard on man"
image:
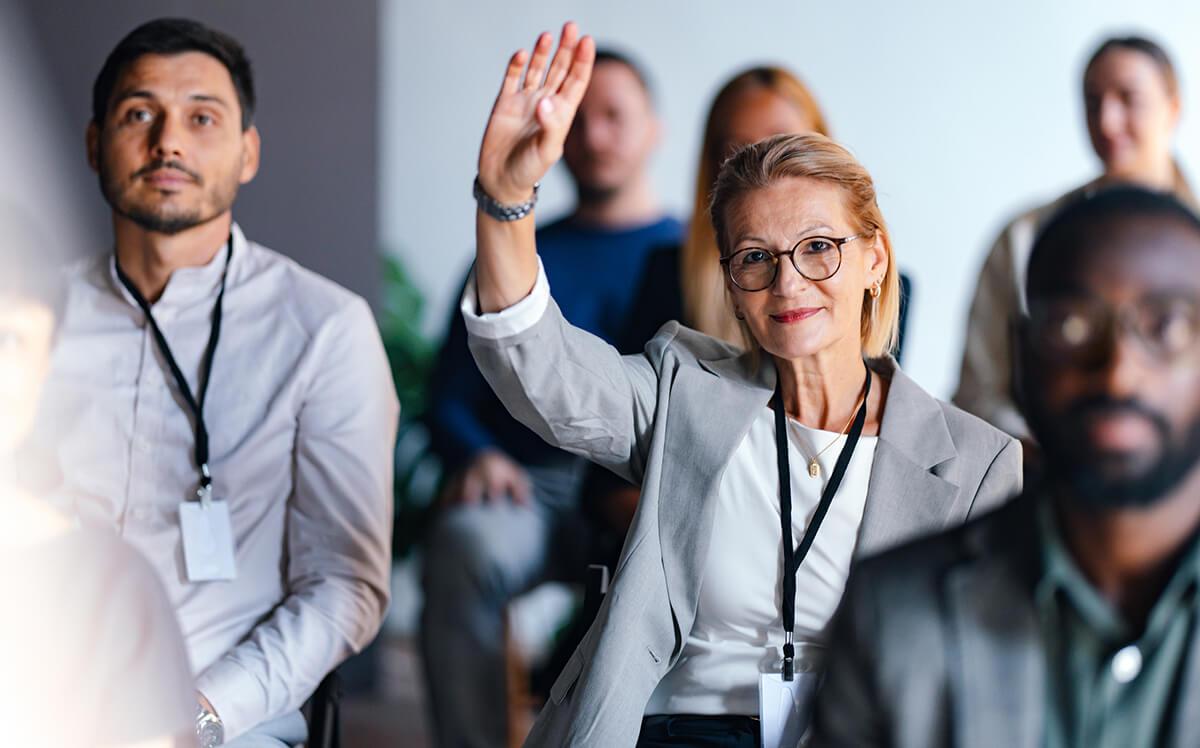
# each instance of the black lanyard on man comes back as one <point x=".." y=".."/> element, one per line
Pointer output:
<point x="793" y="557"/>
<point x="194" y="404"/>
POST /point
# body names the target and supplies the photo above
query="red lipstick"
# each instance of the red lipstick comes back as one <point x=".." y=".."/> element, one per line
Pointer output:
<point x="795" y="315"/>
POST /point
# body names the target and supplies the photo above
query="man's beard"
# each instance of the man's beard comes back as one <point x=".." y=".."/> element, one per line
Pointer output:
<point x="1097" y="481"/>
<point x="157" y="218"/>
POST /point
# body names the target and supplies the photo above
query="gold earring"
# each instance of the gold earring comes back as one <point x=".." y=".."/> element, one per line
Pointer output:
<point x="876" y="289"/>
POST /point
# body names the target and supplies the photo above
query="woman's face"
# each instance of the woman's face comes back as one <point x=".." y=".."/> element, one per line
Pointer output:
<point x="759" y="113"/>
<point x="1131" y="114"/>
<point x="796" y="317"/>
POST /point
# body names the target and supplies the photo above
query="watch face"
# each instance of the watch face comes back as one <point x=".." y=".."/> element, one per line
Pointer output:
<point x="210" y="732"/>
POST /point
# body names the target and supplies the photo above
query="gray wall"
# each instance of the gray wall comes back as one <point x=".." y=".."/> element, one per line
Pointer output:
<point x="315" y="197"/>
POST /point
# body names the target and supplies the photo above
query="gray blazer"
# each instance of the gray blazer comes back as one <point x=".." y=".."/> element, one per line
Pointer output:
<point x="669" y="420"/>
<point x="938" y="645"/>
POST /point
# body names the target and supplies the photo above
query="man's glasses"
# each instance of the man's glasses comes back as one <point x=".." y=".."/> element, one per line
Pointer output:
<point x="1084" y="330"/>
<point x="817" y="258"/>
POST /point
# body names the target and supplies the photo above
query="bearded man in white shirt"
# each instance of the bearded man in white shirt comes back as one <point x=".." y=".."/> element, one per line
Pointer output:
<point x="227" y="412"/>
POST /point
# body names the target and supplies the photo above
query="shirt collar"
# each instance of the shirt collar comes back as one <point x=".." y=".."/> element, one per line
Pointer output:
<point x="1063" y="583"/>
<point x="188" y="285"/>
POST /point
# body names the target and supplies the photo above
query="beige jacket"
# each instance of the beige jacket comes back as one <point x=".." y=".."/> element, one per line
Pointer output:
<point x="985" y="383"/>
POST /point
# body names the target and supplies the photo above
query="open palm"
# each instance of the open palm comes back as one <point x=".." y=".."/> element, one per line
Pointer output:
<point x="532" y="114"/>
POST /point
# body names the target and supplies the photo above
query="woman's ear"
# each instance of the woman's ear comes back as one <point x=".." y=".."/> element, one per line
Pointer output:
<point x="877" y="258"/>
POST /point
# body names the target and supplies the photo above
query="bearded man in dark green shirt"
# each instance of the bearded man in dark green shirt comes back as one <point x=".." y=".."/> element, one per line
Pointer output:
<point x="1071" y="616"/>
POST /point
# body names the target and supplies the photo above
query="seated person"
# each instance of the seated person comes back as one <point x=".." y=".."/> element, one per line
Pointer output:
<point x="1070" y="617"/>
<point x="693" y="627"/>
<point x="91" y="650"/>
<point x="1132" y="102"/>
<point x="230" y="414"/>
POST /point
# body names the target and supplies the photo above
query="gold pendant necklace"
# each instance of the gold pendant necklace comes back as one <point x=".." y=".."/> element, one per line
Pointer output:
<point x="814" y="467"/>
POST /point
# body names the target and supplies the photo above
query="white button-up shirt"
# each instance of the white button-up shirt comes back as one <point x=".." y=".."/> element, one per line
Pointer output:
<point x="302" y="416"/>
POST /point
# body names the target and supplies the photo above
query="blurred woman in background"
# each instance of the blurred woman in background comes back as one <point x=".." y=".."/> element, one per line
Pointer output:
<point x="754" y="104"/>
<point x="1132" y="103"/>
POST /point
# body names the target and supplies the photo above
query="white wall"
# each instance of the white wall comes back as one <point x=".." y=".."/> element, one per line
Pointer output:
<point x="963" y="112"/>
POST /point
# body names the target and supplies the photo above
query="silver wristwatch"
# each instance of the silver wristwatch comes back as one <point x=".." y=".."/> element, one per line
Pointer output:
<point x="500" y="211"/>
<point x="210" y="730"/>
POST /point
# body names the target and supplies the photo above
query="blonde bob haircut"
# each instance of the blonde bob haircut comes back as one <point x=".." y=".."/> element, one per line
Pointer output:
<point x="816" y="157"/>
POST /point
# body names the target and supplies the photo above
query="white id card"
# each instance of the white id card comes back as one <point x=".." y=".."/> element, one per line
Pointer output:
<point x="207" y="541"/>
<point x="785" y="708"/>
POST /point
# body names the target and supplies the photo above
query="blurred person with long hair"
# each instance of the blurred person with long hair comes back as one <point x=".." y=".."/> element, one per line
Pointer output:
<point x="693" y="625"/>
<point x="92" y="654"/>
<point x="1132" y="103"/>
<point x="754" y="104"/>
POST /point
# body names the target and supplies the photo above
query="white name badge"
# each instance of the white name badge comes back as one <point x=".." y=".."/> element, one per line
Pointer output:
<point x="785" y="707"/>
<point x="207" y="541"/>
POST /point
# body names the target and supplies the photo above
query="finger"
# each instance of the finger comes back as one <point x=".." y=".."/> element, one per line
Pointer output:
<point x="522" y="492"/>
<point x="562" y="58"/>
<point x="580" y="72"/>
<point x="512" y="75"/>
<point x="537" y="64"/>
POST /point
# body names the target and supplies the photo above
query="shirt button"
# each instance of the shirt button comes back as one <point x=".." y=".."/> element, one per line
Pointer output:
<point x="1126" y="664"/>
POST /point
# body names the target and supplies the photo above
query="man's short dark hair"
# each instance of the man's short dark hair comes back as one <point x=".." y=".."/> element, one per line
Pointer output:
<point x="1078" y="220"/>
<point x="27" y="271"/>
<point x="609" y="54"/>
<point x="172" y="36"/>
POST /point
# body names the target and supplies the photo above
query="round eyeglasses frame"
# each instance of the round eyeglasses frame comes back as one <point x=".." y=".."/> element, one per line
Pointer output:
<point x="727" y="262"/>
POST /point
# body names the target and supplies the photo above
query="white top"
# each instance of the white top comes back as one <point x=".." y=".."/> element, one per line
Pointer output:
<point x="738" y="631"/>
<point x="302" y="418"/>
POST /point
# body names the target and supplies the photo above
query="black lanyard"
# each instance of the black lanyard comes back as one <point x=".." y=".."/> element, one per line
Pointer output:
<point x="196" y="406"/>
<point x="793" y="557"/>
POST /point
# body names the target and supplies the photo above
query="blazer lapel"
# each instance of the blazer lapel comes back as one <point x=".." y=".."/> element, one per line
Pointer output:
<point x="1187" y="715"/>
<point x="912" y="491"/>
<point x="709" y="415"/>
<point x="997" y="679"/>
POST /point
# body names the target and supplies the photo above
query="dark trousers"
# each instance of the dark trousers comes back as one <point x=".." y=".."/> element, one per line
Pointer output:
<point x="663" y="730"/>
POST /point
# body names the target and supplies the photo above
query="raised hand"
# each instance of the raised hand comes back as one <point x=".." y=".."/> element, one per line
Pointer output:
<point x="533" y="113"/>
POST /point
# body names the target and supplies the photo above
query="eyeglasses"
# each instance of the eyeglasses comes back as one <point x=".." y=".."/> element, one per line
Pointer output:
<point x="817" y="258"/>
<point x="1084" y="330"/>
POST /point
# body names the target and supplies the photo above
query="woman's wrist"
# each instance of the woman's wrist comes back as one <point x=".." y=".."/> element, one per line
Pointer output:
<point x="502" y="209"/>
<point x="501" y="189"/>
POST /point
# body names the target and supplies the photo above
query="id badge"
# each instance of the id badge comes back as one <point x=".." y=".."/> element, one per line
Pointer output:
<point x="785" y="707"/>
<point x="207" y="541"/>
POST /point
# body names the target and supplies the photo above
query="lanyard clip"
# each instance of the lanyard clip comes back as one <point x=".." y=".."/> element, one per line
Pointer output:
<point x="204" y="492"/>
<point x="789" y="657"/>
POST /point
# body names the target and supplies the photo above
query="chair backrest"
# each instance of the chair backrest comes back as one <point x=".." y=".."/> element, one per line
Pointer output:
<point x="324" y="714"/>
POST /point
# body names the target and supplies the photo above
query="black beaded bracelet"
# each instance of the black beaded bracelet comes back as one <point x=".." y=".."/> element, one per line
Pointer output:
<point x="500" y="211"/>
